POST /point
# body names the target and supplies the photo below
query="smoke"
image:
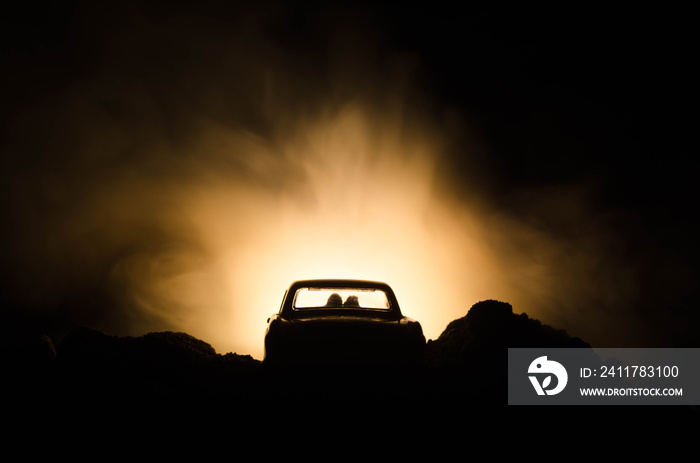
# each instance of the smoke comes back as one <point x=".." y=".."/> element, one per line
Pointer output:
<point x="198" y="165"/>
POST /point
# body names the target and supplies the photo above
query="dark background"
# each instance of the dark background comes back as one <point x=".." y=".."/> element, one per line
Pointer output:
<point x="559" y="95"/>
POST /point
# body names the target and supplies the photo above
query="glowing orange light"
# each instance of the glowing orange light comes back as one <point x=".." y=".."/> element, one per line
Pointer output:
<point x="360" y="203"/>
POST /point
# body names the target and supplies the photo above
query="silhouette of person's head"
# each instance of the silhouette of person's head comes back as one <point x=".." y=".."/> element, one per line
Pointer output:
<point x="334" y="300"/>
<point x="351" y="301"/>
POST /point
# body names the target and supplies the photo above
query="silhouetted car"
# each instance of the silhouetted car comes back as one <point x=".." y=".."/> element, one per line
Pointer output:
<point x="340" y="322"/>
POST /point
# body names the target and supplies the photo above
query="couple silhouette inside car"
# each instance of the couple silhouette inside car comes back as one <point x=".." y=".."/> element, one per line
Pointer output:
<point x="334" y="300"/>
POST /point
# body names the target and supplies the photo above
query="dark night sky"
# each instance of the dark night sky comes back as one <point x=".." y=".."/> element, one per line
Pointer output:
<point x="559" y="95"/>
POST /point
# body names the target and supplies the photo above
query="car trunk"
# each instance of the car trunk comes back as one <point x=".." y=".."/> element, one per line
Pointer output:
<point x="344" y="339"/>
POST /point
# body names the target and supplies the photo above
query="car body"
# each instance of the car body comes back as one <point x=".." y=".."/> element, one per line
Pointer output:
<point x="341" y="321"/>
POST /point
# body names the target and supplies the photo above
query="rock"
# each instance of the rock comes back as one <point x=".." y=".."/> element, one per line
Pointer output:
<point x="156" y="367"/>
<point x="491" y="326"/>
<point x="468" y="361"/>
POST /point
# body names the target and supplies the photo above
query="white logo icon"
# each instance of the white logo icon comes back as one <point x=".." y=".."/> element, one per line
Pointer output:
<point x="542" y="365"/>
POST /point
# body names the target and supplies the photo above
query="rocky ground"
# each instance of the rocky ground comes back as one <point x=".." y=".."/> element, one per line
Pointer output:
<point x="164" y="377"/>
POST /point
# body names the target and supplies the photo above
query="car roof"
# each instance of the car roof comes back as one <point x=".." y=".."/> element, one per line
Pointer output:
<point x="340" y="283"/>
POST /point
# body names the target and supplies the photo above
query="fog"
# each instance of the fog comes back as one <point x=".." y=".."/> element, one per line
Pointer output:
<point x="178" y="171"/>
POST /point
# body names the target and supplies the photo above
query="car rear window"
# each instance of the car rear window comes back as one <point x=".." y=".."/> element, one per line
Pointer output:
<point x="338" y="298"/>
